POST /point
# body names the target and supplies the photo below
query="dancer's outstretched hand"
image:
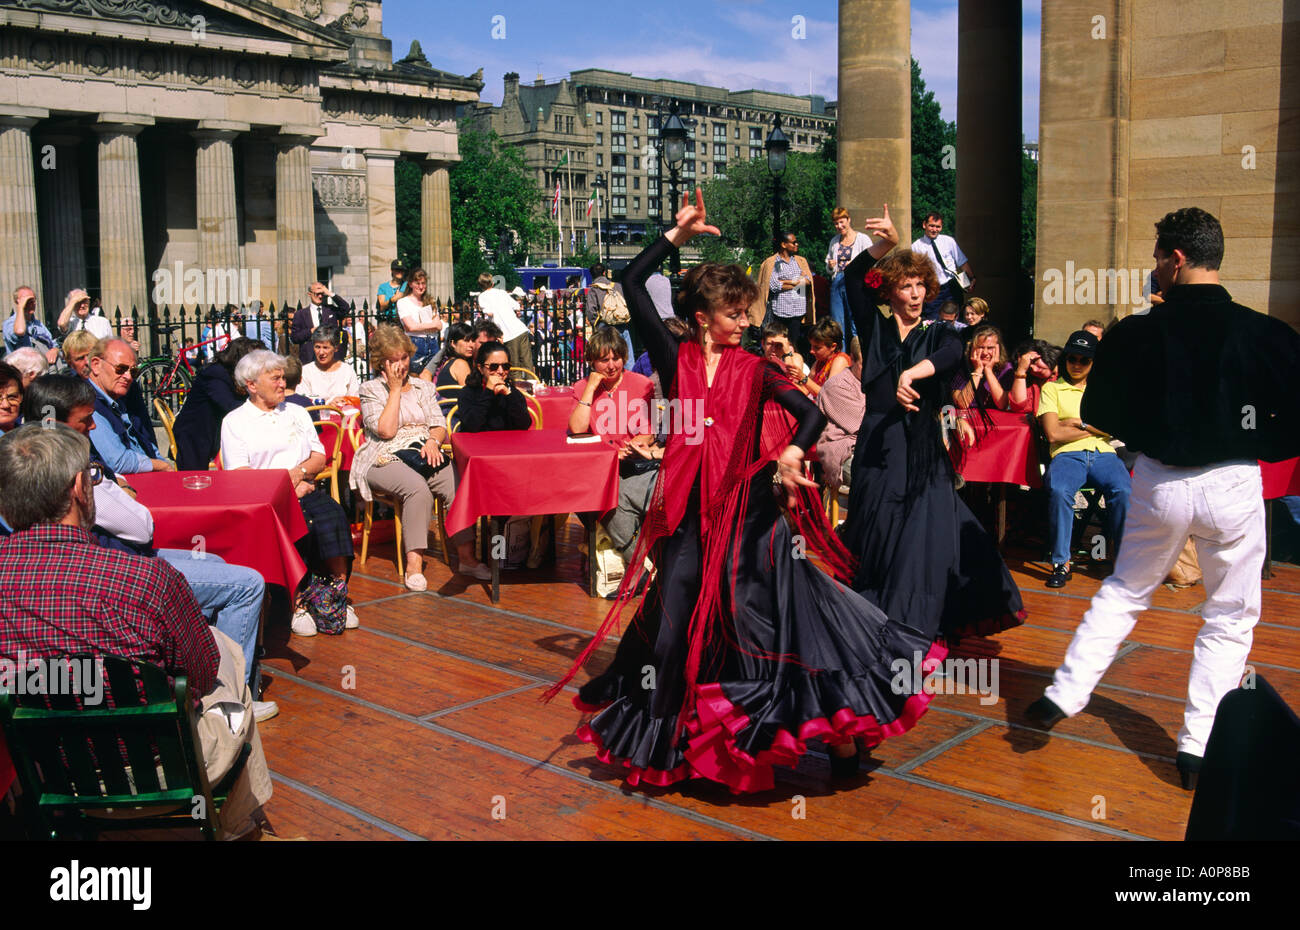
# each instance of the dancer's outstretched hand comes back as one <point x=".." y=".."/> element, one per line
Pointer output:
<point x="790" y="469"/>
<point x="691" y="220"/>
<point x="883" y="227"/>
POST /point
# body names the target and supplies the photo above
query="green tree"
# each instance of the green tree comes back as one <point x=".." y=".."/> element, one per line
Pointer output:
<point x="1028" y="213"/>
<point x="934" y="175"/>
<point x="741" y="206"/>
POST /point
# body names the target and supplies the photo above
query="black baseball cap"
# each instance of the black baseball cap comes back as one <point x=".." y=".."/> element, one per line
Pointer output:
<point x="397" y="265"/>
<point x="1080" y="343"/>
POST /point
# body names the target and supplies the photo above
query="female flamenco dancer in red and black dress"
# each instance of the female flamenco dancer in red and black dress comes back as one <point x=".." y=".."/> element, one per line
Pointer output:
<point x="922" y="556"/>
<point x="742" y="650"/>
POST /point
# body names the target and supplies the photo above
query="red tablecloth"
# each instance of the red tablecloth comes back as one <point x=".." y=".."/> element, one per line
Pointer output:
<point x="529" y="472"/>
<point x="557" y="404"/>
<point x="1004" y="454"/>
<point x="248" y="517"/>
<point x="1281" y="479"/>
<point x="326" y="431"/>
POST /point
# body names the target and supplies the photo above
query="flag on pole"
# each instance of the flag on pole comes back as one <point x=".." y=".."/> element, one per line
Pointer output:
<point x="564" y="160"/>
<point x="555" y="203"/>
<point x="591" y="203"/>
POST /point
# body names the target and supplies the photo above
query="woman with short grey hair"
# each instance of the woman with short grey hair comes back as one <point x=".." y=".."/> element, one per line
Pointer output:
<point x="30" y="362"/>
<point x="327" y="380"/>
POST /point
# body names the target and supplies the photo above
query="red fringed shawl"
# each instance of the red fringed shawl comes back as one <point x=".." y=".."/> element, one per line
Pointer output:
<point x="718" y="446"/>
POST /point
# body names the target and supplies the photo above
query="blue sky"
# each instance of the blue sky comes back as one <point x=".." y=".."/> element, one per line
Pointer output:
<point x="737" y="44"/>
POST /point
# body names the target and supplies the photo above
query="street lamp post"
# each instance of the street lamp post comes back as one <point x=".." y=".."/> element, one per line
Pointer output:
<point x="602" y="185"/>
<point x="672" y="135"/>
<point x="778" y="148"/>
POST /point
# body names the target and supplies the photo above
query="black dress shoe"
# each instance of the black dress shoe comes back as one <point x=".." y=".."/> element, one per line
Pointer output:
<point x="1045" y="713"/>
<point x="845" y="766"/>
<point x="1189" y="769"/>
<point x="1060" y="575"/>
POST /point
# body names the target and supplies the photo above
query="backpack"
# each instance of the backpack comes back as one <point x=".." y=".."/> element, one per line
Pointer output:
<point x="326" y="600"/>
<point x="614" y="308"/>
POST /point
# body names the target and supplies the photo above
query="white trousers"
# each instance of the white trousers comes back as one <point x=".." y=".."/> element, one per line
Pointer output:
<point x="1222" y="508"/>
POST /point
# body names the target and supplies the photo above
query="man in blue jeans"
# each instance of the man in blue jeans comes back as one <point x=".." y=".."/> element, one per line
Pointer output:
<point x="1081" y="455"/>
<point x="230" y="596"/>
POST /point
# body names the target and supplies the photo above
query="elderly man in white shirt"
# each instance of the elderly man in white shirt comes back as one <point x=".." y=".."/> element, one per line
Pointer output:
<point x="268" y="433"/>
<point x="949" y="261"/>
<point x="77" y="315"/>
<point x="503" y="310"/>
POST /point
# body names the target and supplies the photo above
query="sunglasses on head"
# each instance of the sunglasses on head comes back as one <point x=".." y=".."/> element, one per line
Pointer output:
<point x="497" y="366"/>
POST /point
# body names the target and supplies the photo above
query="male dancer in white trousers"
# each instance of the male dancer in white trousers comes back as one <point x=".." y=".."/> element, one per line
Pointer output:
<point x="1202" y="388"/>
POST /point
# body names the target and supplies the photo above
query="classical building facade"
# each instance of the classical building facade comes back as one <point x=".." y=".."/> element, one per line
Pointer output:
<point x="606" y="123"/>
<point x="1144" y="108"/>
<point x="253" y="142"/>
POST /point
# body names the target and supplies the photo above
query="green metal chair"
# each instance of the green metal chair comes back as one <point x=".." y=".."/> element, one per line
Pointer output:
<point x="136" y="755"/>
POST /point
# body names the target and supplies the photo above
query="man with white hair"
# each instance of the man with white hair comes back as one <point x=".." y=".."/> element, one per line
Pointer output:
<point x="78" y="315"/>
<point x="23" y="328"/>
<point x="30" y="362"/>
<point x="61" y="593"/>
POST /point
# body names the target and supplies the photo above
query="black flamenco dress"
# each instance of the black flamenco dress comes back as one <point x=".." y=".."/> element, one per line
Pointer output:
<point x="741" y="650"/>
<point x="922" y="557"/>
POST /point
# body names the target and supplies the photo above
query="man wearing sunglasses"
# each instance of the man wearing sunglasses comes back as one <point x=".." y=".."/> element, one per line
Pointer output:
<point x="124" y="440"/>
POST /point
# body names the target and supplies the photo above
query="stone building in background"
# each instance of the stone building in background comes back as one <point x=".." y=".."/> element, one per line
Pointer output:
<point x="607" y="123"/>
<point x="253" y="142"/>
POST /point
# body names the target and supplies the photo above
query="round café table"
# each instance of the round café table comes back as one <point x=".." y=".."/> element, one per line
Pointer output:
<point x="1004" y="453"/>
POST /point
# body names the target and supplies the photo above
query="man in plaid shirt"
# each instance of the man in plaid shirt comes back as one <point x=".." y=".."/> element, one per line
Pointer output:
<point x="62" y="593"/>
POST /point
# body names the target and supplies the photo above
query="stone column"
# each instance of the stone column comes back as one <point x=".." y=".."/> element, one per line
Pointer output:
<point x="215" y="209"/>
<point x="989" y="144"/>
<point x="435" y="229"/>
<point x="875" y="118"/>
<point x="381" y="210"/>
<point x="20" y="243"/>
<point x="1084" y="155"/>
<point x="123" y="278"/>
<point x="295" y="220"/>
<point x="62" y="233"/>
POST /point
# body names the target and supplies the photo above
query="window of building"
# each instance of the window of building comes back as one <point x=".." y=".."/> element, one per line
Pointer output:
<point x="754" y="152"/>
<point x="755" y="134"/>
<point x="719" y="150"/>
<point x="636" y="204"/>
<point x="737" y="135"/>
<point x="600" y="118"/>
<point x="618" y="204"/>
<point x="617" y="142"/>
<point x="618" y="161"/>
<point x="618" y="120"/>
<point x="636" y="143"/>
<point x="600" y="159"/>
<point x="636" y="121"/>
<point x="636" y="163"/>
<point x="737" y="151"/>
<point x="600" y="138"/>
<point x="719" y="130"/>
<point x="568" y="125"/>
<point x="559" y="123"/>
<point x="636" y="184"/>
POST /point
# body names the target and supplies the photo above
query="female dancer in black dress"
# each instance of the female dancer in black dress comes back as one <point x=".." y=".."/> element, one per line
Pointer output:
<point x="742" y="649"/>
<point x="922" y="556"/>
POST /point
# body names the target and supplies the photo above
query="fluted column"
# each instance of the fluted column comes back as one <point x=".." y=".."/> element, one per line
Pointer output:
<point x="62" y="234"/>
<point x="20" y="242"/>
<point x="295" y="219"/>
<point x="381" y="209"/>
<point x="435" y="229"/>
<point x="214" y="186"/>
<point x="123" y="279"/>
<point x="875" y="115"/>
<point x="989" y="173"/>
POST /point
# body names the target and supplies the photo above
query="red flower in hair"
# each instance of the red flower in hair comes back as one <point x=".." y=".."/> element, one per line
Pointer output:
<point x="873" y="279"/>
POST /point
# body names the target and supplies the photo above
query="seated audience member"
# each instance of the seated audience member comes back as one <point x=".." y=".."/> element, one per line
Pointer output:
<point x="976" y="311"/>
<point x="76" y="351"/>
<point x="212" y="395"/>
<point x="616" y="404"/>
<point x="402" y="455"/>
<point x="422" y="322"/>
<point x="1081" y="455"/>
<point x="11" y="397"/>
<point x="29" y="362"/>
<point x="844" y="404"/>
<point x="1035" y="365"/>
<point x="986" y="372"/>
<point x="503" y="310"/>
<point x="489" y="401"/>
<point x="457" y="361"/>
<point x="125" y="440"/>
<point x="229" y="595"/>
<point x="486" y="331"/>
<point x="61" y="593"/>
<point x="825" y="342"/>
<point x="1096" y="327"/>
<point x="949" y="310"/>
<point x="327" y="380"/>
<point x="266" y="432"/>
<point x="292" y="378"/>
<point x="78" y="315"/>
<point x="777" y="348"/>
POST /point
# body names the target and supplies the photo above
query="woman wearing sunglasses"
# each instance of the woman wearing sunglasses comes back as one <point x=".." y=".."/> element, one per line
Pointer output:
<point x="490" y="401"/>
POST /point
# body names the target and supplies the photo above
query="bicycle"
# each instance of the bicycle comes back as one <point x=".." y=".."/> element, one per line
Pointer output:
<point x="168" y="380"/>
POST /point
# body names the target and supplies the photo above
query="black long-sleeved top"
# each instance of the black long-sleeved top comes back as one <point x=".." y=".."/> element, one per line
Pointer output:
<point x="484" y="411"/>
<point x="198" y="425"/>
<point x="1197" y="381"/>
<point x="663" y="346"/>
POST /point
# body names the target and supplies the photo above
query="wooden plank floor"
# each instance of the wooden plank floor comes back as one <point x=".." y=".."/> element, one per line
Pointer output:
<point x="426" y="723"/>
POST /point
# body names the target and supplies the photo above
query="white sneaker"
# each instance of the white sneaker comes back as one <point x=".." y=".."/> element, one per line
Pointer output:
<point x="265" y="710"/>
<point x="353" y="620"/>
<point x="303" y="624"/>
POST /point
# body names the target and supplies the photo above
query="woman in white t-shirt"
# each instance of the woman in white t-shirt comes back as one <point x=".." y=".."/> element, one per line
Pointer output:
<point x="421" y="321"/>
<point x="328" y="378"/>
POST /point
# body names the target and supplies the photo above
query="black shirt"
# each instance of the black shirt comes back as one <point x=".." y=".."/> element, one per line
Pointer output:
<point x="1198" y="381"/>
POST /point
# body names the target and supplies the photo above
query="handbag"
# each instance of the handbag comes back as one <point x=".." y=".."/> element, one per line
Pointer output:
<point x="413" y="459"/>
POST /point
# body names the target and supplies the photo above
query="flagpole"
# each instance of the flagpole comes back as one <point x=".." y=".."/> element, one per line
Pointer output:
<point x="573" y="223"/>
<point x="559" y="215"/>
